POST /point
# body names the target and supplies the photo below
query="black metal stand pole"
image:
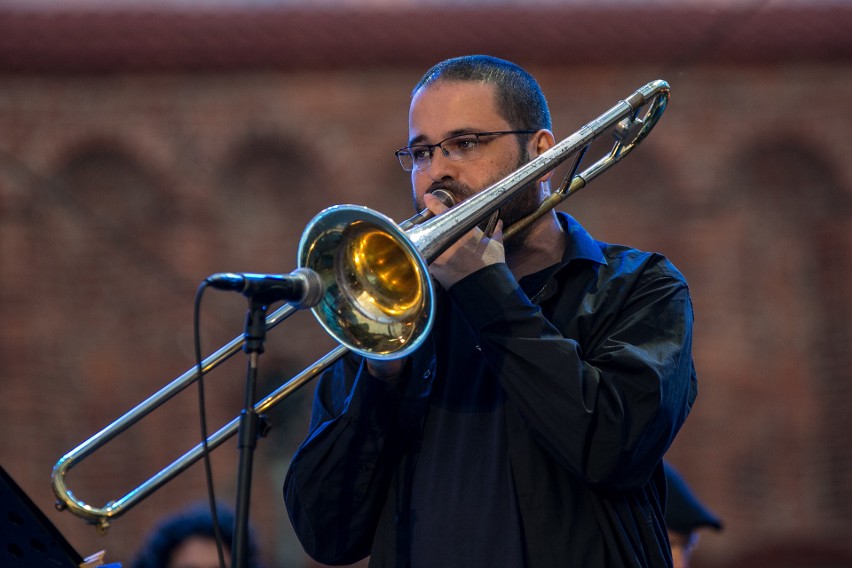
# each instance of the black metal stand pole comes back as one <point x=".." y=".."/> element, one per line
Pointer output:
<point x="251" y="427"/>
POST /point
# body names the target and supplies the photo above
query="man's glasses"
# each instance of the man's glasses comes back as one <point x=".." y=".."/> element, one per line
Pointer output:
<point x="459" y="148"/>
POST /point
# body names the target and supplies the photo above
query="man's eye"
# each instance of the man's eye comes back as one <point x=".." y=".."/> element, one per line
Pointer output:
<point x="421" y="153"/>
<point x="466" y="144"/>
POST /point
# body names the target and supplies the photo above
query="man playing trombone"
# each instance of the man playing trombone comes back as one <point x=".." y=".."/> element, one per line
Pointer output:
<point x="528" y="430"/>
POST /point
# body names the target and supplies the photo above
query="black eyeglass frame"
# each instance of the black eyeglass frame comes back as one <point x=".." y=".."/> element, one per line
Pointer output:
<point x="431" y="147"/>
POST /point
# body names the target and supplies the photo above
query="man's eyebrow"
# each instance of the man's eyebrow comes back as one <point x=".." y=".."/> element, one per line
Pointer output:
<point x="417" y="140"/>
<point x="422" y="139"/>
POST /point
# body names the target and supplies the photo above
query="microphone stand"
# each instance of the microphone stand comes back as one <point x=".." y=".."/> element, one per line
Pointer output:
<point x="251" y="427"/>
<point x="305" y="288"/>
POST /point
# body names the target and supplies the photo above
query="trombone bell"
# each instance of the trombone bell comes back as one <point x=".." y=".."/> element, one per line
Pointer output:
<point x="378" y="293"/>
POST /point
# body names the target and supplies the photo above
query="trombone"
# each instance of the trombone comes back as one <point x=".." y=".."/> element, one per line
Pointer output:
<point x="377" y="297"/>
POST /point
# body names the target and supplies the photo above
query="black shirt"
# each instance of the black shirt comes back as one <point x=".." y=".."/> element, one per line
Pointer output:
<point x="598" y="380"/>
<point x="463" y="496"/>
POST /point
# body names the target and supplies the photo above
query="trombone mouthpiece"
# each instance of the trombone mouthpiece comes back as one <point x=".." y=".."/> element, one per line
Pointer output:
<point x="443" y="195"/>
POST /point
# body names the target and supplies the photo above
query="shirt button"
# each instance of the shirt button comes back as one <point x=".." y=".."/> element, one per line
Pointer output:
<point x="427" y="374"/>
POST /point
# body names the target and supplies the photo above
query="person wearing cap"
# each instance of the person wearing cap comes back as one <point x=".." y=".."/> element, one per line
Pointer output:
<point x="685" y="514"/>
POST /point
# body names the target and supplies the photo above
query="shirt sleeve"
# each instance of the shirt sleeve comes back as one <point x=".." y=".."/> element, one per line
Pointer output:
<point x="338" y="479"/>
<point x="605" y="383"/>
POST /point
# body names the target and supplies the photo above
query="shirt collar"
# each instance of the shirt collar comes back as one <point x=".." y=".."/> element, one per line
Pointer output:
<point x="580" y="243"/>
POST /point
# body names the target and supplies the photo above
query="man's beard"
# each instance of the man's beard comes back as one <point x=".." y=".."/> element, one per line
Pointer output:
<point x="526" y="201"/>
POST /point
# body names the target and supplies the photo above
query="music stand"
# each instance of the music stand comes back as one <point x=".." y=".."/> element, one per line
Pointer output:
<point x="27" y="538"/>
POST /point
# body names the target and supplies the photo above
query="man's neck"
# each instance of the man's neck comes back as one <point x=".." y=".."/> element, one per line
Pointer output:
<point x="543" y="246"/>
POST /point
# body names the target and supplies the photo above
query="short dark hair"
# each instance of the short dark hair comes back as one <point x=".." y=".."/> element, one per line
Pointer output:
<point x="195" y="521"/>
<point x="520" y="100"/>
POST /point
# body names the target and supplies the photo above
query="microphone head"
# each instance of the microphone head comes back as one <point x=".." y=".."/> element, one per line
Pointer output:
<point x="313" y="288"/>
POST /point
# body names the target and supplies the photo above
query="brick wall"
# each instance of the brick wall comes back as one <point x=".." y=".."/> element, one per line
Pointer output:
<point x="120" y="192"/>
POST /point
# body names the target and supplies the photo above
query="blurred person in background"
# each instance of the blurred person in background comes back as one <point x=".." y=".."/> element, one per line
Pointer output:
<point x="685" y="515"/>
<point x="187" y="539"/>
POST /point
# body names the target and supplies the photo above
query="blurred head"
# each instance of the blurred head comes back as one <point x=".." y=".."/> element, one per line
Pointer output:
<point x="197" y="552"/>
<point x="682" y="545"/>
<point x="187" y="540"/>
<point x="685" y="515"/>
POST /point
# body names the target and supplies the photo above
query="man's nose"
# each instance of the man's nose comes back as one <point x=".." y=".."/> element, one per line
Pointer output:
<point x="440" y="166"/>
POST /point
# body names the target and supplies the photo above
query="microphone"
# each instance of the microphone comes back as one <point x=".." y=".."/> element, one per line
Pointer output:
<point x="302" y="287"/>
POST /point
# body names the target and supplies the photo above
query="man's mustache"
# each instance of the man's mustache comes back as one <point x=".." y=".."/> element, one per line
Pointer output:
<point x="451" y="193"/>
<point x="458" y="191"/>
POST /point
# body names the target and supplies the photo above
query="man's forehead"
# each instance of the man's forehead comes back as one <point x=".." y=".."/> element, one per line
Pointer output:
<point x="446" y="108"/>
<point x="482" y="95"/>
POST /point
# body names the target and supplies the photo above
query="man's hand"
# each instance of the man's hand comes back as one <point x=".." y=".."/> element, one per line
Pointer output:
<point x="471" y="252"/>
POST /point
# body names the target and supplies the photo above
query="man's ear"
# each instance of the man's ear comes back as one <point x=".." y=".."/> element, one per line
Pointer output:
<point x="541" y="142"/>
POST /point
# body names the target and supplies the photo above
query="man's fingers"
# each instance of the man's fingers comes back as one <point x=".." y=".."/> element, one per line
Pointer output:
<point x="434" y="204"/>
<point x="497" y="234"/>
